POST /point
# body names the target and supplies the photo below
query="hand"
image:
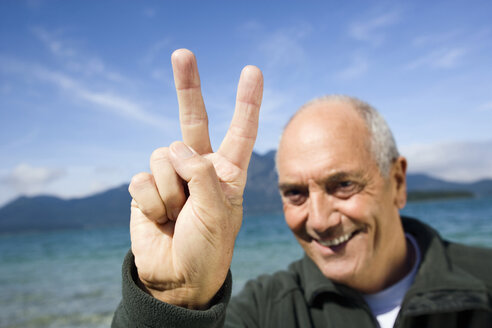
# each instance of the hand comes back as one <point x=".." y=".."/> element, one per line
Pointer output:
<point x="185" y="216"/>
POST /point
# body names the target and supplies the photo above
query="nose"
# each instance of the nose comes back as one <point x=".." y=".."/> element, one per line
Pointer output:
<point x="322" y="215"/>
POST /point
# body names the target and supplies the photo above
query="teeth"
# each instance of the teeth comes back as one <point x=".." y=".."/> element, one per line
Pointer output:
<point x="336" y="241"/>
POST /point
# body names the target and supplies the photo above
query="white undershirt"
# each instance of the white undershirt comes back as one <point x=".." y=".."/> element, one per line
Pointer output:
<point x="386" y="304"/>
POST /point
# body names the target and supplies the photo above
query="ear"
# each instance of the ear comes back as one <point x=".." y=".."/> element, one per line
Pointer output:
<point x="399" y="177"/>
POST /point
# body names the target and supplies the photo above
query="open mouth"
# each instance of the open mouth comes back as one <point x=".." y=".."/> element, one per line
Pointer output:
<point x="338" y="241"/>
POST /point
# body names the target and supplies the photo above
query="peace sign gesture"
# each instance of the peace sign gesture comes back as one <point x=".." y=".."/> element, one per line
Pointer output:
<point x="185" y="216"/>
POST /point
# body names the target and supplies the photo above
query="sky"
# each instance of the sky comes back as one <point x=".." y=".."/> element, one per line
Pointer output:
<point x="86" y="87"/>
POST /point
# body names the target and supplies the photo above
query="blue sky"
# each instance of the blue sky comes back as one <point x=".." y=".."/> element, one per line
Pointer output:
<point x="86" y="88"/>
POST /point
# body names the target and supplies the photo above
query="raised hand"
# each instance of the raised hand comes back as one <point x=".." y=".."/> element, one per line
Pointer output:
<point x="185" y="216"/>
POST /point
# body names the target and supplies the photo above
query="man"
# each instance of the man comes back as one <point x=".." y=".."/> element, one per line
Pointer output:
<point x="342" y="184"/>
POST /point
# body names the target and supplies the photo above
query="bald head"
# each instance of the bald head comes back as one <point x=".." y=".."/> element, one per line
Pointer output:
<point x="341" y="113"/>
<point x="337" y="181"/>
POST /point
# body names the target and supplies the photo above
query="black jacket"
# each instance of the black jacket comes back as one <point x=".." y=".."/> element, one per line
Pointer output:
<point x="452" y="288"/>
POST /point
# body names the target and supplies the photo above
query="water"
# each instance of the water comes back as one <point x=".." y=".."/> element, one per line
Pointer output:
<point x="72" y="278"/>
<point x="468" y="221"/>
<point x="61" y="279"/>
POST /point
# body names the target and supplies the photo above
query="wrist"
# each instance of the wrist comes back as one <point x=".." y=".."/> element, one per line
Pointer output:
<point x="185" y="297"/>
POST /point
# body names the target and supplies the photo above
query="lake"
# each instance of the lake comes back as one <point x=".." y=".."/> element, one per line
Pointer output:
<point x="72" y="278"/>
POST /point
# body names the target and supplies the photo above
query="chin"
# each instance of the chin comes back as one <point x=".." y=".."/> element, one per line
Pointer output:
<point x="340" y="273"/>
<point x="343" y="268"/>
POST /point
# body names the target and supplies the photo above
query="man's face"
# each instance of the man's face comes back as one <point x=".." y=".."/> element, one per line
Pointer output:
<point x="343" y="212"/>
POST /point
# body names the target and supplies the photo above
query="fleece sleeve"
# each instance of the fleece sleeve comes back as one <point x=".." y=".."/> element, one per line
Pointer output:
<point x="139" y="309"/>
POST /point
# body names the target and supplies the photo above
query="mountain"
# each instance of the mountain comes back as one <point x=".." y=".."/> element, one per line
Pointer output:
<point x="108" y="208"/>
<point x="423" y="182"/>
<point x="261" y="195"/>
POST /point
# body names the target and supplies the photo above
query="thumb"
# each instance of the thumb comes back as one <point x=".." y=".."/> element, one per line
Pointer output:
<point x="199" y="173"/>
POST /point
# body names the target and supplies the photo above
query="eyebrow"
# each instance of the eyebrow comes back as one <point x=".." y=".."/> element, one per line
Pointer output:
<point x="287" y="186"/>
<point x="332" y="178"/>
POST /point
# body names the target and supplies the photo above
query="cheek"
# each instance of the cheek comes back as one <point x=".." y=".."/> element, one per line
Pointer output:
<point x="295" y="218"/>
<point x="356" y="209"/>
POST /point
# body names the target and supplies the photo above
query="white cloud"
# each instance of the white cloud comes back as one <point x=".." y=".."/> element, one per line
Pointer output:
<point x="283" y="57"/>
<point x="28" y="179"/>
<point x="115" y="103"/>
<point x="67" y="182"/>
<point x="57" y="46"/>
<point x="75" y="60"/>
<point x="357" y="68"/>
<point x="76" y="89"/>
<point x="160" y="74"/>
<point x="251" y="27"/>
<point x="155" y="50"/>
<point x="441" y="58"/>
<point x="20" y="140"/>
<point x="371" y="30"/>
<point x="272" y="101"/>
<point x="449" y="59"/>
<point x="433" y="39"/>
<point x="286" y="62"/>
<point x="485" y="107"/>
<point x="454" y="161"/>
<point x="284" y="48"/>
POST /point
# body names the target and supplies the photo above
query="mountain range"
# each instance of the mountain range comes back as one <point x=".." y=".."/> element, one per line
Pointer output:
<point x="261" y="195"/>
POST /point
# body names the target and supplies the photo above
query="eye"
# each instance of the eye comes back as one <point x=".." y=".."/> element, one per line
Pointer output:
<point x="344" y="189"/>
<point x="346" y="184"/>
<point x="294" y="196"/>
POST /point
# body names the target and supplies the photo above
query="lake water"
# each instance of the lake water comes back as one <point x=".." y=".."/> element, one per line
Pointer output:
<point x="72" y="278"/>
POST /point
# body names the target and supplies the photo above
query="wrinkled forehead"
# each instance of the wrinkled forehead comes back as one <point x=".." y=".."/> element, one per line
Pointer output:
<point x="325" y="129"/>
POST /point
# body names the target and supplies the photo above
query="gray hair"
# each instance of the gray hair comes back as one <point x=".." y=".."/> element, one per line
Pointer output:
<point x="382" y="143"/>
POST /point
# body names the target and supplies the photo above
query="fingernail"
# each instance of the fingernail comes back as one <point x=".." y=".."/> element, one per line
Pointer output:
<point x="181" y="150"/>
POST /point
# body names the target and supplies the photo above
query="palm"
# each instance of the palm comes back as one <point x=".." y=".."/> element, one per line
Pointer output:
<point x="170" y="239"/>
<point x="194" y="249"/>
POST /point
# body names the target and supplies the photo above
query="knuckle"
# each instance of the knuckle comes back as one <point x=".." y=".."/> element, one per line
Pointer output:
<point x="140" y="179"/>
<point x="204" y="171"/>
<point x="205" y="165"/>
<point x="153" y="212"/>
<point x="160" y="154"/>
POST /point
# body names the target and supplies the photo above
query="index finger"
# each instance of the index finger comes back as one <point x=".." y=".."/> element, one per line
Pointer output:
<point x="238" y="143"/>
<point x="192" y="114"/>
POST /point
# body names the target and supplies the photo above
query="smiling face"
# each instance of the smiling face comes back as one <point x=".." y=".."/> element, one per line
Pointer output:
<point x="343" y="212"/>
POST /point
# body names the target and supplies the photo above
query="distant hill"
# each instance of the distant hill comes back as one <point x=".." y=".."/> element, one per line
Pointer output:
<point x="112" y="207"/>
<point x="423" y="182"/>
<point x="109" y="208"/>
<point x="261" y="192"/>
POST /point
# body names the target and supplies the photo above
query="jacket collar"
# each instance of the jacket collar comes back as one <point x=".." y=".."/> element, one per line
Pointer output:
<point x="439" y="285"/>
<point x="314" y="283"/>
<point x="435" y="281"/>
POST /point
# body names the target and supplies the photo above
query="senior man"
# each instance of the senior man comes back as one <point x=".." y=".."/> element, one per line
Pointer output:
<point x="342" y="183"/>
